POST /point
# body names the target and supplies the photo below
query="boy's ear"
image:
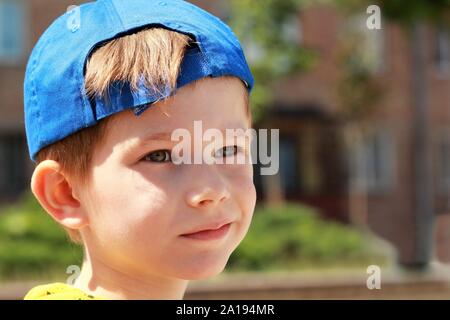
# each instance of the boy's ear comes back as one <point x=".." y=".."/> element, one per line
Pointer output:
<point x="54" y="192"/>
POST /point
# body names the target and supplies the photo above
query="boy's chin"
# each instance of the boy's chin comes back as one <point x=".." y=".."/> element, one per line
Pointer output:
<point x="202" y="273"/>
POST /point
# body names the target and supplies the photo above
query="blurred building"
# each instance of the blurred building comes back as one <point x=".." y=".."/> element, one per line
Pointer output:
<point x="357" y="176"/>
<point x="364" y="173"/>
<point x="21" y="24"/>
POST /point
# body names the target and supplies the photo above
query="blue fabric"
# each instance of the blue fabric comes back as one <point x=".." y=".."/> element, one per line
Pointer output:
<point x="56" y="104"/>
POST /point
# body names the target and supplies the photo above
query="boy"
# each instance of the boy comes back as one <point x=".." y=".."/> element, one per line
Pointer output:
<point x="102" y="97"/>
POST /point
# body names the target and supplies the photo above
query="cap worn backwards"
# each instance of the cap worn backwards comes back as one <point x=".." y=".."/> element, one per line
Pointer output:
<point x="56" y="104"/>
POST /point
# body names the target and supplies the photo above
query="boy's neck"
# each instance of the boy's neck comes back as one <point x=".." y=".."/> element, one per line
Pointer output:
<point x="100" y="280"/>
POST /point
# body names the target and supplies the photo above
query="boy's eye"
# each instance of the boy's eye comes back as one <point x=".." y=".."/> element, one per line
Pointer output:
<point x="227" y="151"/>
<point x="158" y="156"/>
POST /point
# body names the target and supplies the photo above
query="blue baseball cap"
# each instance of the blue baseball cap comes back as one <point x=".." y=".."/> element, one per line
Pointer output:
<point x="56" y="103"/>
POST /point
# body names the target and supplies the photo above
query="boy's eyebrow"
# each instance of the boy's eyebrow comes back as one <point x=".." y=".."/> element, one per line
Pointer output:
<point x="157" y="136"/>
<point x="167" y="136"/>
<point x="146" y="139"/>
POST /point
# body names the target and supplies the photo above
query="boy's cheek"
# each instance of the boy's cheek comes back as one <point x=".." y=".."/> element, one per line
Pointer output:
<point x="245" y="193"/>
<point x="242" y="179"/>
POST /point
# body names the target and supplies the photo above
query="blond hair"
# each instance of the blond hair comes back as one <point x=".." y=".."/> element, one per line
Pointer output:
<point x="155" y="55"/>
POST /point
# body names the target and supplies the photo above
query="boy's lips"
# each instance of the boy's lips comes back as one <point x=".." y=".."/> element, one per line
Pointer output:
<point x="210" y="232"/>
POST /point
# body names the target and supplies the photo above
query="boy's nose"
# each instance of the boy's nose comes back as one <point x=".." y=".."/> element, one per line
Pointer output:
<point x="207" y="192"/>
<point x="206" y="196"/>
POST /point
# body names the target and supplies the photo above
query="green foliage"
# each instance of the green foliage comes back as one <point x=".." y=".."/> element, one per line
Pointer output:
<point x="265" y="29"/>
<point x="32" y="244"/>
<point x="406" y="12"/>
<point x="294" y="237"/>
<point x="358" y="90"/>
<point x="275" y="54"/>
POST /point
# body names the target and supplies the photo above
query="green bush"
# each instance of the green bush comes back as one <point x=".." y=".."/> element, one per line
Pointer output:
<point x="295" y="237"/>
<point x="32" y="244"/>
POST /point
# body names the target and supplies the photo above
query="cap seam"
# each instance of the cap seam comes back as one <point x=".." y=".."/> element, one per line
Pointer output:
<point x="112" y="9"/>
<point x="35" y="98"/>
<point x="204" y="51"/>
<point x="85" y="101"/>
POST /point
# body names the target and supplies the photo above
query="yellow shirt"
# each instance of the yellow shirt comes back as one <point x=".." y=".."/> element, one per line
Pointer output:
<point x="58" y="291"/>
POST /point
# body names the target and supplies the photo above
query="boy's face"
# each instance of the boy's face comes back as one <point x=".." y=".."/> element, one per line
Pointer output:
<point x="140" y="205"/>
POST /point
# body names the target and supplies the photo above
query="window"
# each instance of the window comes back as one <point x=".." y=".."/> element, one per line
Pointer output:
<point x="13" y="176"/>
<point x="444" y="164"/>
<point x="443" y="51"/>
<point x="288" y="166"/>
<point x="12" y="20"/>
<point x="372" y="163"/>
